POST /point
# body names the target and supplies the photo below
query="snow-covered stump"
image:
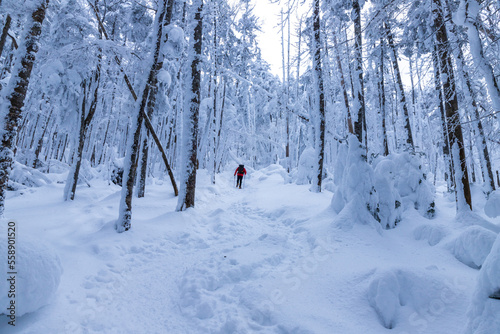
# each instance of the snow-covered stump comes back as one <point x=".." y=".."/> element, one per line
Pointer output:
<point x="485" y="305"/>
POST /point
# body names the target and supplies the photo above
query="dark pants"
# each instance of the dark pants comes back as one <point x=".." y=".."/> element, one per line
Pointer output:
<point x="239" y="179"/>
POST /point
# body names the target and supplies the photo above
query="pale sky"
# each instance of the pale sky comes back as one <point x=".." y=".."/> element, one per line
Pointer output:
<point x="270" y="38"/>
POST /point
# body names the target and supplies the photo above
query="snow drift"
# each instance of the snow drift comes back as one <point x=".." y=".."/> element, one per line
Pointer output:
<point x="484" y="310"/>
<point x="39" y="272"/>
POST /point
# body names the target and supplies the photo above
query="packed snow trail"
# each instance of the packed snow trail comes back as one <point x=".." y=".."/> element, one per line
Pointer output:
<point x="263" y="259"/>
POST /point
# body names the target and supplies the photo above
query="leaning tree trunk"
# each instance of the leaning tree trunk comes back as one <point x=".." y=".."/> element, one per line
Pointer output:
<point x="5" y="32"/>
<point x="147" y="122"/>
<point x="402" y="97"/>
<point x="130" y="164"/>
<point x="190" y="124"/>
<point x="150" y="108"/>
<point x="454" y="128"/>
<point x="16" y="94"/>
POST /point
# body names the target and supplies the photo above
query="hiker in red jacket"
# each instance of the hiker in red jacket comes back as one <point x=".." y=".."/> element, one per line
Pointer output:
<point x="240" y="171"/>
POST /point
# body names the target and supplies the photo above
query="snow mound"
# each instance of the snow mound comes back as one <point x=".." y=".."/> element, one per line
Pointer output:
<point x="492" y="206"/>
<point x="22" y="175"/>
<point x="473" y="245"/>
<point x="411" y="182"/>
<point x="483" y="311"/>
<point x="363" y="199"/>
<point x="265" y="173"/>
<point x="432" y="233"/>
<point x="38" y="275"/>
<point x="469" y="218"/>
<point x="395" y="293"/>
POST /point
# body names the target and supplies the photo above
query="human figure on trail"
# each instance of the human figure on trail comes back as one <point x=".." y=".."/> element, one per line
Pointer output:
<point x="240" y="171"/>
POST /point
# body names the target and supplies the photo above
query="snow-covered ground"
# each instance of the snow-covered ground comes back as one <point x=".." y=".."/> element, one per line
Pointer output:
<point x="268" y="258"/>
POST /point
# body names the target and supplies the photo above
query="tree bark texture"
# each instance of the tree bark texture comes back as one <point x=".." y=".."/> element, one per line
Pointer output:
<point x="191" y="129"/>
<point x="15" y="97"/>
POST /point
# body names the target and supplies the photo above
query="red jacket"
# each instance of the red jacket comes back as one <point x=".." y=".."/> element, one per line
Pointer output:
<point x="240" y="174"/>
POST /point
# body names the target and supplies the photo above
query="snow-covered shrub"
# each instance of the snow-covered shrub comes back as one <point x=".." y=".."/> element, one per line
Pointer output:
<point x="117" y="172"/>
<point x="492" y="206"/>
<point x="484" y="309"/>
<point x="357" y="188"/>
<point x="473" y="245"/>
<point x="22" y="175"/>
<point x="432" y="233"/>
<point x="411" y="182"/>
<point x="39" y="273"/>
<point x="306" y="171"/>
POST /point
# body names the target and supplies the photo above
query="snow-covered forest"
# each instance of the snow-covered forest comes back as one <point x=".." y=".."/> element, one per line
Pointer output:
<point x="372" y="162"/>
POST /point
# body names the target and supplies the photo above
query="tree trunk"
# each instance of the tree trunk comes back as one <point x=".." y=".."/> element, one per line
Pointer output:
<point x="448" y="172"/>
<point x="130" y="165"/>
<point x="470" y="96"/>
<point x="85" y="119"/>
<point x="358" y="85"/>
<point x="190" y="133"/>
<point x="5" y="32"/>
<point x="17" y="94"/>
<point x="343" y="84"/>
<point x="462" y="187"/>
<point x="72" y="181"/>
<point x="36" y="160"/>
<point x="402" y="98"/>
<point x="320" y="98"/>
<point x="148" y="124"/>
<point x="381" y="89"/>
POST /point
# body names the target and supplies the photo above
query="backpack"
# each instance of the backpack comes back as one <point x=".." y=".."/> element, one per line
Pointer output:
<point x="241" y="169"/>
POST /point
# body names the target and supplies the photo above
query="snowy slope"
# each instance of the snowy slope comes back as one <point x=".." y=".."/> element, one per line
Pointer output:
<point x="265" y="259"/>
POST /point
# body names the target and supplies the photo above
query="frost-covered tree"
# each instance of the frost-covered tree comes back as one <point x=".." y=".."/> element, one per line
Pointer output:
<point x="130" y="166"/>
<point x="454" y="128"/>
<point x="14" y="94"/>
<point x="189" y="148"/>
